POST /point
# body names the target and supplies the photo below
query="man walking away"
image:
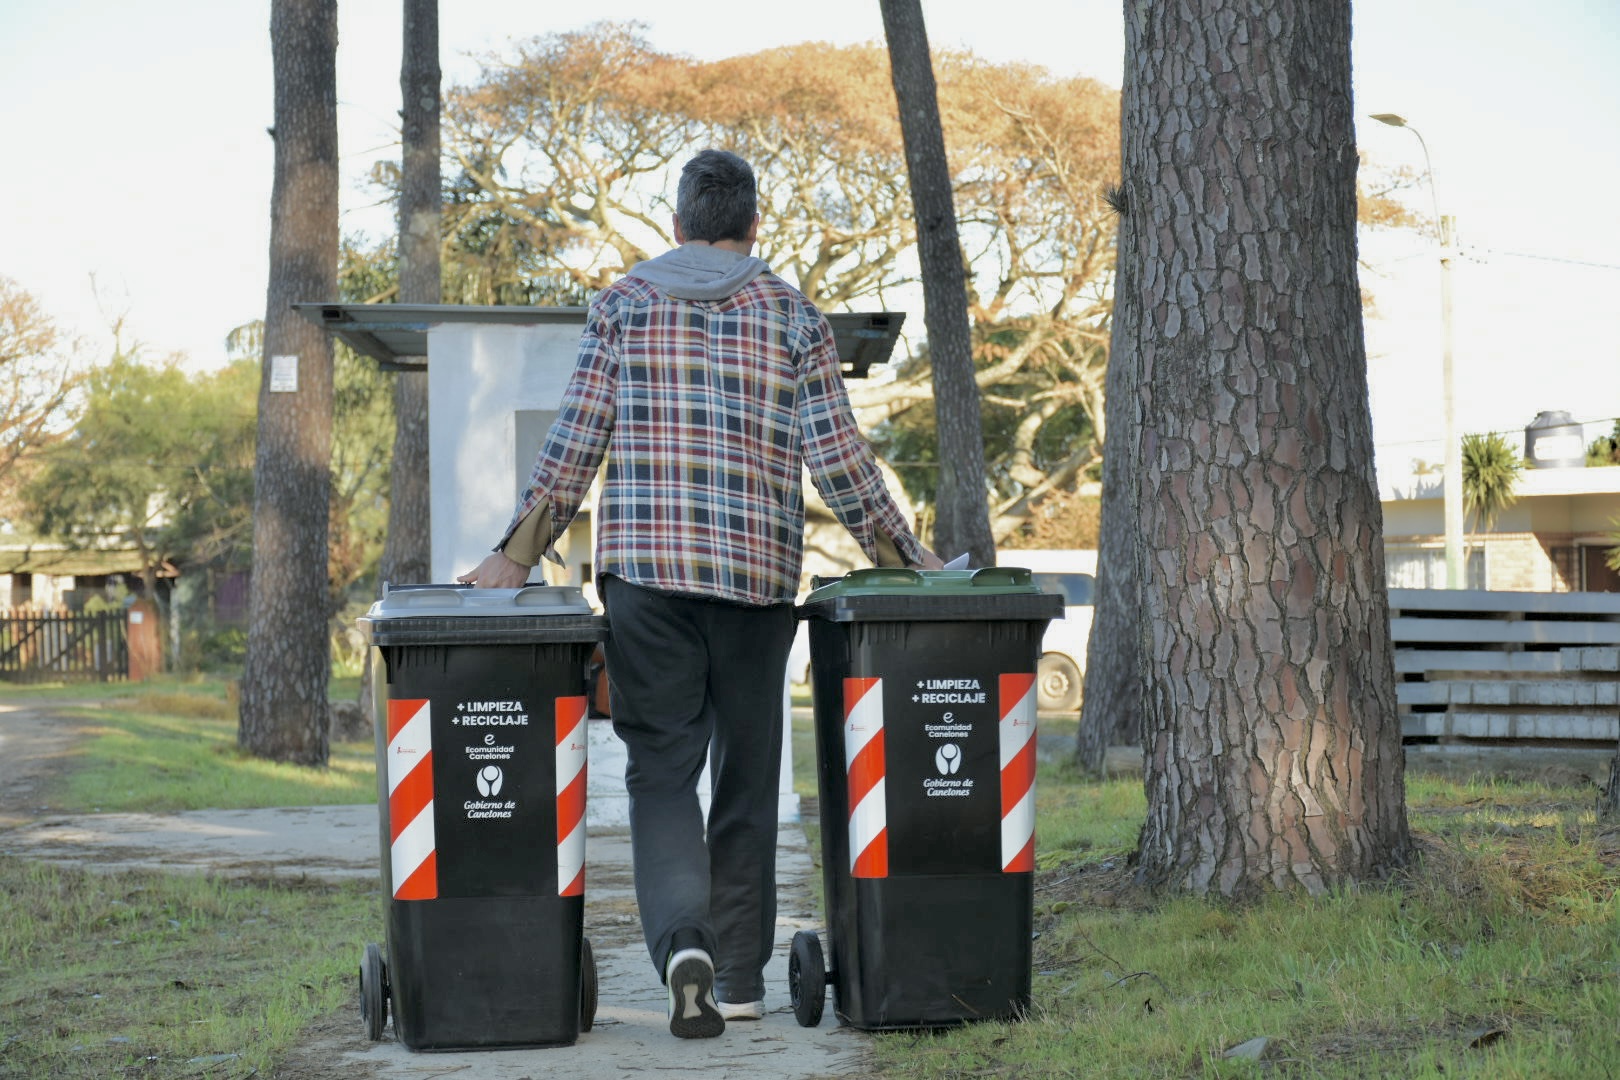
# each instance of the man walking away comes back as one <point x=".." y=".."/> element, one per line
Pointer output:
<point x="713" y="382"/>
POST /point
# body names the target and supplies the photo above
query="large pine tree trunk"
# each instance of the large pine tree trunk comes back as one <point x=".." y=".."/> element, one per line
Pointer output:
<point x="962" y="507"/>
<point x="1273" y="752"/>
<point x="284" y="702"/>
<point x="406" y="550"/>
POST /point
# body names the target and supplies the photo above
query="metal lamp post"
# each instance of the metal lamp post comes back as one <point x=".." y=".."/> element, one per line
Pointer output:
<point x="1445" y="233"/>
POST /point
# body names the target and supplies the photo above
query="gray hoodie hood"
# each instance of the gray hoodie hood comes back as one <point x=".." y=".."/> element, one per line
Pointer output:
<point x="700" y="272"/>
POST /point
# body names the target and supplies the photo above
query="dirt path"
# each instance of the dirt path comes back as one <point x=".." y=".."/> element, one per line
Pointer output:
<point x="36" y="739"/>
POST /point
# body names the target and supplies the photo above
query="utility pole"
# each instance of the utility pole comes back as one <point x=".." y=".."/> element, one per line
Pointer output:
<point x="1453" y="501"/>
<point x="1451" y="496"/>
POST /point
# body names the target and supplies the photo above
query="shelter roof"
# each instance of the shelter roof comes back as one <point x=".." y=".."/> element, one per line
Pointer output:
<point x="396" y="335"/>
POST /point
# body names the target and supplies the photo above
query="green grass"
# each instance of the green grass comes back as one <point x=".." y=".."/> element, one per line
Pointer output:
<point x="1380" y="983"/>
<point x="165" y="975"/>
<point x="158" y="975"/>
<point x="171" y="745"/>
<point x="1076" y="817"/>
<point x="1497" y="955"/>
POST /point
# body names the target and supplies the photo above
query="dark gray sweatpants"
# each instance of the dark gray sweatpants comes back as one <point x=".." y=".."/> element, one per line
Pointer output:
<point x="692" y="678"/>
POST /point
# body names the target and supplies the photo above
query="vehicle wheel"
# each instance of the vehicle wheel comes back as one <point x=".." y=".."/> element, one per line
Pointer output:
<point x="373" y="992"/>
<point x="587" y="985"/>
<point x="807" y="978"/>
<point x="1057" y="684"/>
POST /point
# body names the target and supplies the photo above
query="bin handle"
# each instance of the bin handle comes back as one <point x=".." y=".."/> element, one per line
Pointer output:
<point x="428" y="595"/>
<point x="1000" y="575"/>
<point x="548" y="596"/>
<point x="884" y="575"/>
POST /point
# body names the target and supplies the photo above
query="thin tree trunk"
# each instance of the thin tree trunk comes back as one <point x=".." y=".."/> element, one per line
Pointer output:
<point x="1609" y="796"/>
<point x="284" y="703"/>
<point x="1111" y="709"/>
<point x="1272" y="747"/>
<point x="407" y="548"/>
<point x="962" y="508"/>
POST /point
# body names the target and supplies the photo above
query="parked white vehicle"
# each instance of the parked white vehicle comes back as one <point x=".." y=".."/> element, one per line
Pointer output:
<point x="1069" y="573"/>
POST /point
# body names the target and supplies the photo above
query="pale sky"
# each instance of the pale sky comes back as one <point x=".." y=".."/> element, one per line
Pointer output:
<point x="139" y="171"/>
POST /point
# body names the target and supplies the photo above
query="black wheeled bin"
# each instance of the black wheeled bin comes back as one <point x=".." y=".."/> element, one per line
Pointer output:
<point x="923" y="685"/>
<point x="481" y="761"/>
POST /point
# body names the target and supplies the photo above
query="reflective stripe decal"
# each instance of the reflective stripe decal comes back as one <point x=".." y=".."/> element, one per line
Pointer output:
<point x="864" y="760"/>
<point x="412" y="852"/>
<point x="1017" y="736"/>
<point x="572" y="764"/>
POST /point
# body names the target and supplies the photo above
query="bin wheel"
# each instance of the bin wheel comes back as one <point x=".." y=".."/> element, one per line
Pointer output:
<point x="1058" y="684"/>
<point x="587" y="985"/>
<point x="807" y="978"/>
<point x="374" y="991"/>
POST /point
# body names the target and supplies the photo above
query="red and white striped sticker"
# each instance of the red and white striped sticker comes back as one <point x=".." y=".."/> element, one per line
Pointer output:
<point x="412" y="851"/>
<point x="864" y="760"/>
<point x="1018" y="773"/>
<point x="572" y="758"/>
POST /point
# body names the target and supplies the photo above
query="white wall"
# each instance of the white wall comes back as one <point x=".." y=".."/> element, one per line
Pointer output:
<point x="479" y="378"/>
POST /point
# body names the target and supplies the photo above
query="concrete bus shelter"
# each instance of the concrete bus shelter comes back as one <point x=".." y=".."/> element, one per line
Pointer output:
<point x="496" y="376"/>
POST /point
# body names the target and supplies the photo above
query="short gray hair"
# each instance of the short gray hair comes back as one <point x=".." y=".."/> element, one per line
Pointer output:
<point x="716" y="197"/>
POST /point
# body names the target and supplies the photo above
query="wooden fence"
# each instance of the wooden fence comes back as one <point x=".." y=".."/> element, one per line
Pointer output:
<point x="1535" y="668"/>
<point x="58" y="646"/>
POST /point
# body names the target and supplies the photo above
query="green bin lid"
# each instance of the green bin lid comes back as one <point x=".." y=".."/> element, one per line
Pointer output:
<point x="461" y="614"/>
<point x="990" y="593"/>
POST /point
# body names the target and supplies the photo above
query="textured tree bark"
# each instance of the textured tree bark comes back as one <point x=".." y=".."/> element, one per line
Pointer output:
<point x="283" y="703"/>
<point x="962" y="507"/>
<point x="1273" y="752"/>
<point x="407" y="548"/>
<point x="1111" y="710"/>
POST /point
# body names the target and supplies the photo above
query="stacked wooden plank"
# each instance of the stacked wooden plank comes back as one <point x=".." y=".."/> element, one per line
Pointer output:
<point x="1476" y="665"/>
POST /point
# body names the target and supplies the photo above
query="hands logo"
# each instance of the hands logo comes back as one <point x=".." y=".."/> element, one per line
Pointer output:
<point x="948" y="759"/>
<point x="489" y="781"/>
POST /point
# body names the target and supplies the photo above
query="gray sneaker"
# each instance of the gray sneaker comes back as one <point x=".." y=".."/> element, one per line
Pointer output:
<point x="742" y="1010"/>
<point x="692" y="1011"/>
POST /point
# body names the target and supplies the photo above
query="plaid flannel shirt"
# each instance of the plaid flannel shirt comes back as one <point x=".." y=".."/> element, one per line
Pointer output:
<point x="706" y="412"/>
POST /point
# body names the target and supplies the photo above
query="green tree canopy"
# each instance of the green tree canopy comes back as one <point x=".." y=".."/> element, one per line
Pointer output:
<point x="159" y="458"/>
<point x="1605" y="449"/>
<point x="162" y="458"/>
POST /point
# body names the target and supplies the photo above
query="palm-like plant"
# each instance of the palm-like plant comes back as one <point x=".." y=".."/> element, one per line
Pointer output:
<point x="1490" y="472"/>
<point x="1605" y="449"/>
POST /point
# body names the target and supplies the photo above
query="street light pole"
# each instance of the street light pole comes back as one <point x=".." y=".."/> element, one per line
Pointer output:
<point x="1452" y="501"/>
<point x="1452" y="488"/>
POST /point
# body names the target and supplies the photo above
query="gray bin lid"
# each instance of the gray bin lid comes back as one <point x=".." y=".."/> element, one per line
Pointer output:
<point x="993" y="593"/>
<point x="461" y="614"/>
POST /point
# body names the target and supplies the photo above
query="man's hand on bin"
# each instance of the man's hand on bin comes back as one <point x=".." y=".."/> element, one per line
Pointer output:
<point x="497" y="572"/>
<point x="931" y="561"/>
